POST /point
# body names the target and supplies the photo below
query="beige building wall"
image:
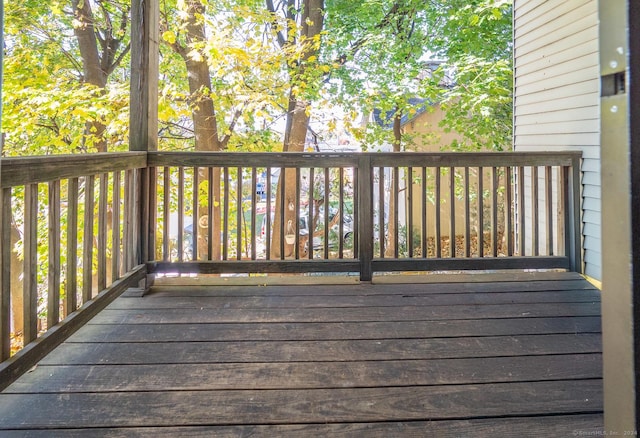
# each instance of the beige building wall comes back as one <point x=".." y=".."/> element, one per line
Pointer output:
<point x="430" y="137"/>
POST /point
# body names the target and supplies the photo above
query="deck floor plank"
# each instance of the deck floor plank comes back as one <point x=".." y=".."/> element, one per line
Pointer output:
<point x="313" y="351"/>
<point x="338" y="314"/>
<point x="299" y="375"/>
<point x="522" y="427"/>
<point x="374" y="289"/>
<point x="487" y="357"/>
<point x="189" y="332"/>
<point x="319" y="301"/>
<point x="176" y="408"/>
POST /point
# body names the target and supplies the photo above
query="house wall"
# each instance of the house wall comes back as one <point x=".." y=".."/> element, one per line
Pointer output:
<point x="556" y="96"/>
<point x="429" y="136"/>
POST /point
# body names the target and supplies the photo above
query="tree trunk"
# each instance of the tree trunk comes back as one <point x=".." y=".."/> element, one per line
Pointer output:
<point x="296" y="135"/>
<point x="94" y="74"/>
<point x="204" y="124"/>
<point x="312" y="23"/>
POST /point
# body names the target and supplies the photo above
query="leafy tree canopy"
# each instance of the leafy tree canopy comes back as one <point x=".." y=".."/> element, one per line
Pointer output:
<point x="266" y="60"/>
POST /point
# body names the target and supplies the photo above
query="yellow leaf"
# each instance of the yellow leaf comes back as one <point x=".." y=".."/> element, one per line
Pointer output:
<point x="169" y="36"/>
<point x="80" y="112"/>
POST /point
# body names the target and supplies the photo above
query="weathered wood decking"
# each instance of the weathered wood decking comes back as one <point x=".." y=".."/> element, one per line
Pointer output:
<point x="489" y="357"/>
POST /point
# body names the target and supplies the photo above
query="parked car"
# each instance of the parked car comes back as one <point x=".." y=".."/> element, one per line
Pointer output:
<point x="318" y="242"/>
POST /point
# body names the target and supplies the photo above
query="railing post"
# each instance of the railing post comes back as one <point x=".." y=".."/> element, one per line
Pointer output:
<point x="145" y="39"/>
<point x="573" y="233"/>
<point x="365" y="216"/>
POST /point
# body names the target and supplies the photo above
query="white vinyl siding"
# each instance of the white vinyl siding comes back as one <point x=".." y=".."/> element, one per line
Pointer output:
<point x="557" y="95"/>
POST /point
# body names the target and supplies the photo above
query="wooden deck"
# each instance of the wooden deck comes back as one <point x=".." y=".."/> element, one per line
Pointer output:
<point x="498" y="355"/>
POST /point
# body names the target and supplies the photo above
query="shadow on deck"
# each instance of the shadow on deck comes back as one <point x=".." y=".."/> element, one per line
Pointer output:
<point x="476" y="355"/>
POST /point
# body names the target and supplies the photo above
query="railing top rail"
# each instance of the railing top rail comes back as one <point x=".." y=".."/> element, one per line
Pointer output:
<point x="25" y="170"/>
<point x="473" y="159"/>
<point x="381" y="159"/>
<point x="253" y="159"/>
<point x="18" y="171"/>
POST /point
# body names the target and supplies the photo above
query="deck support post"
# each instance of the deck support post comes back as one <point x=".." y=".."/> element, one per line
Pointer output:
<point x="620" y="149"/>
<point x="145" y="39"/>
<point x="145" y="55"/>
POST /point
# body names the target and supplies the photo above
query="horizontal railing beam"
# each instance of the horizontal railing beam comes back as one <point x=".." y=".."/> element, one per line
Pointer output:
<point x="251" y="159"/>
<point x="17" y="171"/>
<point x="479" y="263"/>
<point x="24" y="170"/>
<point x="254" y="267"/>
<point x="473" y="159"/>
<point x="378" y="159"/>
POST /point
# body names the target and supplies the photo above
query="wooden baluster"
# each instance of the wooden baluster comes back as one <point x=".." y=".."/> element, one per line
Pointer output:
<point x="225" y="221"/>
<point x="311" y="207"/>
<point x="239" y="215"/>
<point x="30" y="280"/>
<point x="180" y="241"/>
<point x="53" y="274"/>
<point x="87" y="241"/>
<point x="327" y="213"/>
<point x="254" y="202"/>
<point x="102" y="232"/>
<point x="115" y="227"/>
<point x="381" y="218"/>
<point x="423" y="225"/>
<point x="395" y="192"/>
<point x="342" y="212"/>
<point x="535" y="217"/>
<point x="5" y="273"/>
<point x="296" y="249"/>
<point x="438" y="236"/>
<point x="71" y="300"/>
<point x="166" y="215"/>
<point x="210" y="205"/>
<point x="281" y="219"/>
<point x="521" y="218"/>
<point x="195" y="226"/>
<point x="480" y="212"/>
<point x="509" y="186"/>
<point x="356" y="208"/>
<point x="410" y="209"/>
<point x="548" y="205"/>
<point x="151" y="218"/>
<point x="136" y="216"/>
<point x="494" y="211"/>
<point x="267" y="230"/>
<point x="467" y="215"/>
<point x="127" y="232"/>
<point x="452" y="212"/>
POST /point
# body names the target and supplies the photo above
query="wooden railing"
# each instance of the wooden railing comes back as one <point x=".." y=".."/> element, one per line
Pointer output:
<point x="387" y="212"/>
<point x="79" y="230"/>
<point x="70" y="232"/>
